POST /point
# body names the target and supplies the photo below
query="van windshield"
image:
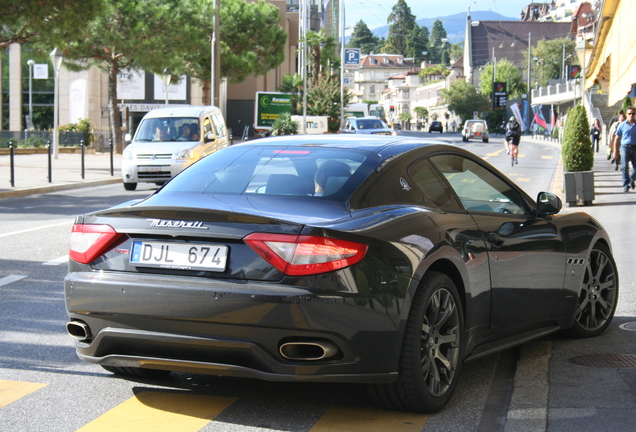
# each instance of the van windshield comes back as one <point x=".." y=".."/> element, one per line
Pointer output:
<point x="169" y="129"/>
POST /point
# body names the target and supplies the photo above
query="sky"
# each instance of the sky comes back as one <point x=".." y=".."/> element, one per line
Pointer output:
<point x="375" y="12"/>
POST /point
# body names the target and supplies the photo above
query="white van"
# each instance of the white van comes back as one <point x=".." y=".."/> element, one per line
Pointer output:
<point x="170" y="139"/>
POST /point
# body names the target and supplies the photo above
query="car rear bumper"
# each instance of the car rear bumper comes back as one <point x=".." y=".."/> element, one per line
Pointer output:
<point x="235" y="329"/>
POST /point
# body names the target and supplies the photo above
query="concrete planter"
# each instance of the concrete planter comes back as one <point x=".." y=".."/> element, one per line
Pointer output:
<point x="579" y="188"/>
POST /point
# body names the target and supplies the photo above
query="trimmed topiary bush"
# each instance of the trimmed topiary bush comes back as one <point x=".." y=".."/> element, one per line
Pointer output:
<point x="577" y="152"/>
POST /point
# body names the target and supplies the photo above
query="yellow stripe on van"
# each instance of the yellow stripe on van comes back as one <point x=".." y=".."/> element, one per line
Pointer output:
<point x="161" y="412"/>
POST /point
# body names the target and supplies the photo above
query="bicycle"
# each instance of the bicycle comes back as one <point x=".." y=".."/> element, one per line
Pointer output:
<point x="513" y="145"/>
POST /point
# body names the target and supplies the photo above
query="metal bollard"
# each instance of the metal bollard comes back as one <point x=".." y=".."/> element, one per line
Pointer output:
<point x="48" y="149"/>
<point x="110" y="143"/>
<point x="82" y="147"/>
<point x="11" y="163"/>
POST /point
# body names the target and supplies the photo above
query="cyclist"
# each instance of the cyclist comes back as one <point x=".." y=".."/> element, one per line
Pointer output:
<point x="513" y="135"/>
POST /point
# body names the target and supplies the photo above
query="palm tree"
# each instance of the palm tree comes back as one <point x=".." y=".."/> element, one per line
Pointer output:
<point x="318" y="42"/>
<point x="292" y="84"/>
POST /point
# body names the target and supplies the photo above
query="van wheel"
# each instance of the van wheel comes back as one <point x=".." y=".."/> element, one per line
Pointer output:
<point x="485" y="140"/>
<point x="130" y="186"/>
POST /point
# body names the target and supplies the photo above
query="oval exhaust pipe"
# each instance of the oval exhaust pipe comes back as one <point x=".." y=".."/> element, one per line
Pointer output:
<point x="78" y="330"/>
<point x="308" y="350"/>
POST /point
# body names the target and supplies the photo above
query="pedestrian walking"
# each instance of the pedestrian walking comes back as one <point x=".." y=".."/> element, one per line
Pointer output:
<point x="614" y="122"/>
<point x="595" y="134"/>
<point x="626" y="138"/>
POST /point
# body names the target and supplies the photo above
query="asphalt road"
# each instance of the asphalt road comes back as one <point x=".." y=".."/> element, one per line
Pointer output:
<point x="44" y="387"/>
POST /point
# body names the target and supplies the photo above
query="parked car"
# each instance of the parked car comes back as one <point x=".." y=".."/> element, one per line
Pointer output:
<point x="170" y="139"/>
<point x="354" y="258"/>
<point x="366" y="125"/>
<point x="436" y="126"/>
<point x="475" y="129"/>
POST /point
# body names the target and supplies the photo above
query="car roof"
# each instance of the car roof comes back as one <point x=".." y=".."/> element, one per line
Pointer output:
<point x="185" y="111"/>
<point x="385" y="146"/>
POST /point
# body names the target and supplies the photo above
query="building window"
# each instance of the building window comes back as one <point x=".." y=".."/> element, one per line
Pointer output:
<point x="372" y="89"/>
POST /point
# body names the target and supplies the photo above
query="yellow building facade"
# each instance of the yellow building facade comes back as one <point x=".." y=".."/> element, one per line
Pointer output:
<point x="612" y="63"/>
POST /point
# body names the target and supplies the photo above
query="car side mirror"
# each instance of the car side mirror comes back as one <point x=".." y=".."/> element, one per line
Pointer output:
<point x="128" y="137"/>
<point x="209" y="137"/>
<point x="548" y="204"/>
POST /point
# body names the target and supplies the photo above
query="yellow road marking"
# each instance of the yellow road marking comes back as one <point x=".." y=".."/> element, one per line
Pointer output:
<point x="547" y="157"/>
<point x="11" y="391"/>
<point x="159" y="412"/>
<point x="354" y="419"/>
<point x="524" y="179"/>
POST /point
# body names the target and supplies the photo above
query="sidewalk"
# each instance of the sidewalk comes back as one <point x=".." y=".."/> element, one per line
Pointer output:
<point x="550" y="392"/>
<point x="31" y="173"/>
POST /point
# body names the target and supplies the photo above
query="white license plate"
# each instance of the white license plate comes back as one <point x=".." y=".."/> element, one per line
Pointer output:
<point x="152" y="168"/>
<point x="182" y="256"/>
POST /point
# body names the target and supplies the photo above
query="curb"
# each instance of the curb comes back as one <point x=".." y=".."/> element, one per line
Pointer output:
<point x="56" y="188"/>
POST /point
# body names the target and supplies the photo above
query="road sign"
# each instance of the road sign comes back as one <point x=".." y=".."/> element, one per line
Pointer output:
<point x="352" y="58"/>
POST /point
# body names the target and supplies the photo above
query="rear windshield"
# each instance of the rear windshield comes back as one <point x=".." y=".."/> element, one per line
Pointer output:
<point x="326" y="173"/>
<point x="370" y="124"/>
<point x="168" y="129"/>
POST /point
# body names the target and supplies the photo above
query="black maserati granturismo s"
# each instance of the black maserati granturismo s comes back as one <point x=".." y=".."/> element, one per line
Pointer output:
<point x="384" y="260"/>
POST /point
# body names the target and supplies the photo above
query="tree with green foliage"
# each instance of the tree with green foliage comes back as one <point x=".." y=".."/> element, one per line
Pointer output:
<point x="130" y="34"/>
<point x="405" y="117"/>
<point x="417" y="44"/>
<point x="506" y="72"/>
<point x="421" y="112"/>
<point x="284" y="125"/>
<point x="401" y="25"/>
<point x="463" y="99"/>
<point x="363" y="38"/>
<point x="251" y="40"/>
<point x="323" y="99"/>
<point x="577" y="151"/>
<point x="292" y="84"/>
<point x="319" y="42"/>
<point x="549" y="59"/>
<point x="438" y="49"/>
<point x="25" y="21"/>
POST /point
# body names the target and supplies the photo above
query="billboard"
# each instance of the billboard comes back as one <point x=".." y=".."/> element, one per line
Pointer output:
<point x="499" y="95"/>
<point x="270" y="105"/>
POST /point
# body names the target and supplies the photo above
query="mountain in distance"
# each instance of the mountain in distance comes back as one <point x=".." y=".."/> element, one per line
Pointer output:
<point x="455" y="25"/>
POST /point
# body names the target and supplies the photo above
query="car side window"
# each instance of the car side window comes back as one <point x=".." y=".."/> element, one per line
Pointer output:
<point x="433" y="185"/>
<point x="219" y="125"/>
<point x="478" y="188"/>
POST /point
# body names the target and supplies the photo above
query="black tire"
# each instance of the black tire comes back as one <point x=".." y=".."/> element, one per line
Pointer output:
<point x="130" y="186"/>
<point x="485" y="140"/>
<point x="599" y="295"/>
<point x="432" y="350"/>
<point x="135" y="372"/>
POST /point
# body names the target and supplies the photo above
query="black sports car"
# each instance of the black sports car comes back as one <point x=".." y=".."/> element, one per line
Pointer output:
<point x="381" y="260"/>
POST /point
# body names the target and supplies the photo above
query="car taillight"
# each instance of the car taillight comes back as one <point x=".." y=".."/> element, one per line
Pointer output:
<point x="301" y="255"/>
<point x="90" y="241"/>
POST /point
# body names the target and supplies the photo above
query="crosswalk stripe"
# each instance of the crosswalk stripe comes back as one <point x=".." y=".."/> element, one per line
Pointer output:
<point x="357" y="419"/>
<point x="11" y="391"/>
<point x="11" y="278"/>
<point x="57" y="261"/>
<point x="159" y="412"/>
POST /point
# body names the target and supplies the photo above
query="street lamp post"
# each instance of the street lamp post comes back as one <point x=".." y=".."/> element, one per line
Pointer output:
<point x="30" y="122"/>
<point x="167" y="77"/>
<point x="56" y="59"/>
<point x="582" y="48"/>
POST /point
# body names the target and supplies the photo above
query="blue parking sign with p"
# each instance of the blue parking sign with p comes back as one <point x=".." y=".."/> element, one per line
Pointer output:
<point x="352" y="58"/>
